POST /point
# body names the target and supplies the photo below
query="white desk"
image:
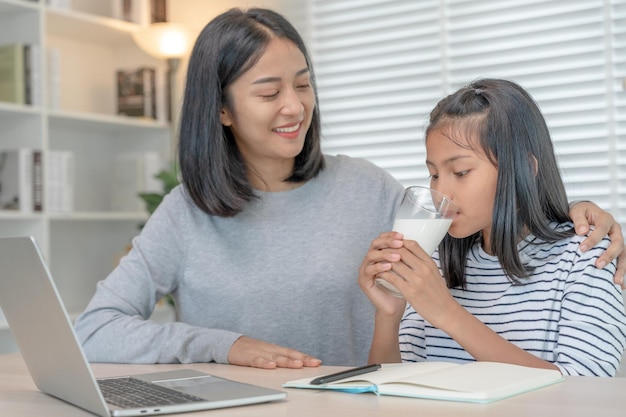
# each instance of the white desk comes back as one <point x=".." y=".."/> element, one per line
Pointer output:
<point x="577" y="396"/>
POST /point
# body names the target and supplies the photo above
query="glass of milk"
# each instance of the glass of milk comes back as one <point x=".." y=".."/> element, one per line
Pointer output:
<point x="424" y="215"/>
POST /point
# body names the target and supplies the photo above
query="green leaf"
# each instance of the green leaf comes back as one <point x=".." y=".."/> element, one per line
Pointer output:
<point x="169" y="179"/>
<point x="152" y="200"/>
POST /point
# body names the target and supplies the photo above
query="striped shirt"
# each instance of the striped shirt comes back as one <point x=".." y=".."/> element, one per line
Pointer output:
<point x="567" y="312"/>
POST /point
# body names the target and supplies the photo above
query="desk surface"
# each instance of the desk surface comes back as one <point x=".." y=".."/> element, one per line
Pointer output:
<point x="576" y="396"/>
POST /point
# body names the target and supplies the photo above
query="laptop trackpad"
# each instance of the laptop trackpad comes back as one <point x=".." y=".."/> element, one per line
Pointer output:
<point x="203" y="385"/>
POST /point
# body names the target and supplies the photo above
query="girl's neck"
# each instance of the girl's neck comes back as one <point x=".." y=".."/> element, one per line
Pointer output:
<point x="486" y="239"/>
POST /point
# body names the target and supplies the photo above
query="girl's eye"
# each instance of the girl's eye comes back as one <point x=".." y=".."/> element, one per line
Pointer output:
<point x="303" y="86"/>
<point x="461" y="173"/>
<point x="434" y="176"/>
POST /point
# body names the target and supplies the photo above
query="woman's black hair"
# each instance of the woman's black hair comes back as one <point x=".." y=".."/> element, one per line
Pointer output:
<point x="530" y="194"/>
<point x="212" y="169"/>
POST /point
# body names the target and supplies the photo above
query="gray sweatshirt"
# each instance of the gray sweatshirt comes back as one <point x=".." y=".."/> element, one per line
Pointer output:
<point x="284" y="271"/>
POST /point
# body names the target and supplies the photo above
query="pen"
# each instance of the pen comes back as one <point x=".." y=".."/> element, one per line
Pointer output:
<point x="345" y="374"/>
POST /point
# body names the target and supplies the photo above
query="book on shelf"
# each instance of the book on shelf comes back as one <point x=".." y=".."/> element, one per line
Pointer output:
<point x="142" y="12"/>
<point x="21" y="180"/>
<point x="37" y="181"/>
<point x="59" y="181"/>
<point x="134" y="11"/>
<point x="158" y="11"/>
<point x="19" y="73"/>
<point x="479" y="382"/>
<point x="32" y="71"/>
<point x="136" y="92"/>
<point x="60" y="4"/>
<point x="54" y="77"/>
<point x="134" y="173"/>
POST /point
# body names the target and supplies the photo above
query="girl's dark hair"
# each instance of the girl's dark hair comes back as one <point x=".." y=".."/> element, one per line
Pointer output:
<point x="512" y="132"/>
<point x="212" y="169"/>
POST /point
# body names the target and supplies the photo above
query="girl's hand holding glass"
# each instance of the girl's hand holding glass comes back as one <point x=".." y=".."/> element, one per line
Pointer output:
<point x="419" y="280"/>
<point x="379" y="260"/>
<point x="406" y="266"/>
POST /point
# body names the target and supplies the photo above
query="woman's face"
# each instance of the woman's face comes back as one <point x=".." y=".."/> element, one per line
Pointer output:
<point x="460" y="169"/>
<point x="270" y="106"/>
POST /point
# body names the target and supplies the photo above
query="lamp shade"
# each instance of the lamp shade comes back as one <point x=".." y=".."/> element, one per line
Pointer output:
<point x="163" y="40"/>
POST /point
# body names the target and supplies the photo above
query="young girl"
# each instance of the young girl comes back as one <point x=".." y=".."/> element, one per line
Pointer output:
<point x="509" y="283"/>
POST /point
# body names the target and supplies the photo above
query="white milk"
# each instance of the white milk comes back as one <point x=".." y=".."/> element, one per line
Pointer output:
<point x="427" y="232"/>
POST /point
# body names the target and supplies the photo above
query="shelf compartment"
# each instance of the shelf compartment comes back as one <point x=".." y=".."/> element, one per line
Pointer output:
<point x="89" y="27"/>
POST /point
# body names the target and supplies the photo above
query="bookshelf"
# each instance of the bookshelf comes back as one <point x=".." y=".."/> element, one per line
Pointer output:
<point x="83" y="245"/>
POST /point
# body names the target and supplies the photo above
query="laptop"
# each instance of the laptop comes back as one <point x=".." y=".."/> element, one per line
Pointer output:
<point x="45" y="336"/>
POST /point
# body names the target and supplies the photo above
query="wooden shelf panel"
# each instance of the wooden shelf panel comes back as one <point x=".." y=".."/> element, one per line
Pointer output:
<point x="77" y="120"/>
<point x="17" y="6"/>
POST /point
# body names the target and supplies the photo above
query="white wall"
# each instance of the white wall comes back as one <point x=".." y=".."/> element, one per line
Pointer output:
<point x="195" y="14"/>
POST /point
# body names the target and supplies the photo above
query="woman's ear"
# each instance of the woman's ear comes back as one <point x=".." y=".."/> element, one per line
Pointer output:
<point x="533" y="160"/>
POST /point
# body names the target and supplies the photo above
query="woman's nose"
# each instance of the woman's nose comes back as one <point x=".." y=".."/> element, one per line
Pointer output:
<point x="292" y="104"/>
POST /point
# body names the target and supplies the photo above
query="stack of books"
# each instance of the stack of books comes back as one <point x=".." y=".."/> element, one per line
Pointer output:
<point x="23" y="182"/>
<point x="21" y="187"/>
<point x="19" y="73"/>
<point x="136" y="92"/>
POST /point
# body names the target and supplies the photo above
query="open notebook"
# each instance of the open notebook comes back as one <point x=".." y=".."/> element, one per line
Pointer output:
<point x="45" y="336"/>
<point x="480" y="382"/>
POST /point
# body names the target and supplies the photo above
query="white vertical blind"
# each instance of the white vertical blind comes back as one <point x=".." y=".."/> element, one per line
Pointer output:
<point x="556" y="50"/>
<point x="378" y="72"/>
<point x="618" y="86"/>
<point x="382" y="65"/>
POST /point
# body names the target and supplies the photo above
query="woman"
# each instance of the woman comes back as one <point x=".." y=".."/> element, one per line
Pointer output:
<point x="261" y="243"/>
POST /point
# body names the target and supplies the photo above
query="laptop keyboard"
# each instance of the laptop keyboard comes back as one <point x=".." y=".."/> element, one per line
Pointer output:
<point x="135" y="393"/>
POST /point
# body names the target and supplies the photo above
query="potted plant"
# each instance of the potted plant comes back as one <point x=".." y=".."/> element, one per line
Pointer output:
<point x="169" y="179"/>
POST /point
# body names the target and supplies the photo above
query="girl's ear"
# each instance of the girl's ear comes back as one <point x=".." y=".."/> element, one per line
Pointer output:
<point x="225" y="117"/>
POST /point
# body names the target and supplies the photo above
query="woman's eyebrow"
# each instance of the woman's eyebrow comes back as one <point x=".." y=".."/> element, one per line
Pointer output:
<point x="302" y="71"/>
<point x="277" y="79"/>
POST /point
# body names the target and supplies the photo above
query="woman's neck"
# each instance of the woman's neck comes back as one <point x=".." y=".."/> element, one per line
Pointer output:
<point x="271" y="177"/>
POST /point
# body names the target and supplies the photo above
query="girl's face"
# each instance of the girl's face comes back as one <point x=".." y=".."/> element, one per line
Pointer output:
<point x="271" y="106"/>
<point x="467" y="177"/>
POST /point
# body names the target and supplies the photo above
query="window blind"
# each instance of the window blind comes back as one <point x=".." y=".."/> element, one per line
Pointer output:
<point x="381" y="66"/>
<point x="618" y="86"/>
<point x="378" y="71"/>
